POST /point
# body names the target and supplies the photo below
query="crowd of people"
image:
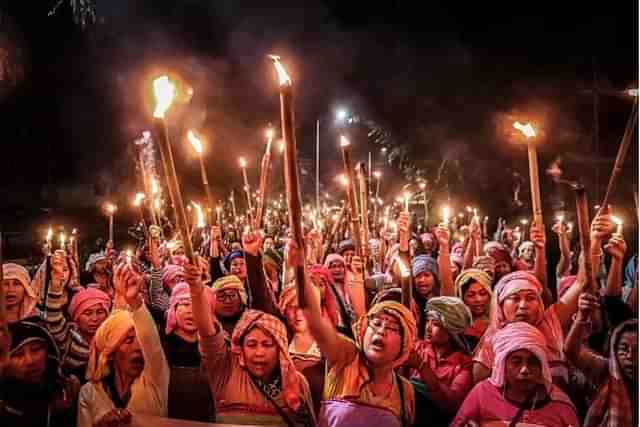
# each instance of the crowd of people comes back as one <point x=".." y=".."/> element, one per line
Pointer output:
<point x="481" y="336"/>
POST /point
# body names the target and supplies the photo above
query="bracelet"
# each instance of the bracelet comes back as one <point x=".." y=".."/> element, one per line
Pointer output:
<point x="582" y="322"/>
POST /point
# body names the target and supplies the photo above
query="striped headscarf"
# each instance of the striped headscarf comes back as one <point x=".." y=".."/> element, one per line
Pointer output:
<point x="486" y="264"/>
<point x="510" y="284"/>
<point x="170" y="272"/>
<point x="231" y="282"/>
<point x="466" y="277"/>
<point x="108" y="338"/>
<point x="85" y="299"/>
<point x="612" y="405"/>
<point x="11" y="271"/>
<point x="273" y="327"/>
<point x="453" y="314"/>
<point x="519" y="336"/>
<point x="402" y="315"/>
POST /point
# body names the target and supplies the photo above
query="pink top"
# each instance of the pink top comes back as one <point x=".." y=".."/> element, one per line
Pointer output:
<point x="486" y="407"/>
<point x="454" y="372"/>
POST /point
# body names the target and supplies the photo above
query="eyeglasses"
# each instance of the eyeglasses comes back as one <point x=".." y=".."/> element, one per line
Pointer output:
<point x="227" y="296"/>
<point x="384" y="326"/>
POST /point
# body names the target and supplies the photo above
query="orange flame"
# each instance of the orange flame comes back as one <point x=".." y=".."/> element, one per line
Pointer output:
<point x="526" y="129"/>
<point x="342" y="178"/>
<point x="243" y="163"/>
<point x="193" y="139"/>
<point x="49" y="234"/>
<point x="344" y="142"/>
<point x="200" y="223"/>
<point x="139" y="197"/>
<point x="165" y="92"/>
<point x="283" y="77"/>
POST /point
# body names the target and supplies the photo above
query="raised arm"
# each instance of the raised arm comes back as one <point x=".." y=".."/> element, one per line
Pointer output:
<point x="262" y="295"/>
<point x="616" y="247"/>
<point x="564" y="263"/>
<point x="128" y="283"/>
<point x="215" y="271"/>
<point x="539" y="239"/>
<point x="355" y="287"/>
<point x="444" y="269"/>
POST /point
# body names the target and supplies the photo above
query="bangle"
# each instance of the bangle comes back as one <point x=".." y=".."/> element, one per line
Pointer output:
<point x="582" y="322"/>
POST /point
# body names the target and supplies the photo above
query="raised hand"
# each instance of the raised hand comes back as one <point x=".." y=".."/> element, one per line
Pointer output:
<point x="357" y="266"/>
<point x="538" y="236"/>
<point x="616" y="247"/>
<point x="560" y="228"/>
<point x="295" y="255"/>
<point x="443" y="235"/>
<point x="404" y="222"/>
<point x="115" y="418"/>
<point x="587" y="303"/>
<point x="193" y="275"/>
<point x="602" y="226"/>
<point x="128" y="284"/>
<point x="251" y="243"/>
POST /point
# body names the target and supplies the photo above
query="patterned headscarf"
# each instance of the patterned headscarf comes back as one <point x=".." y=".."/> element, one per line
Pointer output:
<point x="180" y="294"/>
<point x="498" y="252"/>
<point x="402" y="315"/>
<point x="518" y="336"/>
<point x="333" y="258"/>
<point x="473" y="275"/>
<point x="486" y="264"/>
<point x="107" y="339"/>
<point x="170" y="272"/>
<point x="453" y="314"/>
<point x="93" y="260"/>
<point x="510" y="284"/>
<point x="612" y="405"/>
<point x="395" y="294"/>
<point x="272" y="326"/>
<point x="231" y="282"/>
<point x="19" y="273"/>
<point x="85" y="299"/>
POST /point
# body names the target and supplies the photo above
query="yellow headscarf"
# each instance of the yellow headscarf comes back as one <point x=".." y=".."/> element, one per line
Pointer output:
<point x="108" y="338"/>
<point x="402" y="315"/>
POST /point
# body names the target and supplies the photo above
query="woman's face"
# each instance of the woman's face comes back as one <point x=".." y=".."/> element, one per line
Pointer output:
<point x="296" y="320"/>
<point x="170" y="284"/>
<point x="91" y="318"/>
<point x="424" y="283"/>
<point x="14" y="292"/>
<point x="184" y="316"/>
<point x="260" y="354"/>
<point x="523" y="371"/>
<point x="435" y="333"/>
<point x="128" y="358"/>
<point x="522" y="306"/>
<point x="477" y="299"/>
<point x="228" y="303"/>
<point x="28" y="363"/>
<point x="338" y="270"/>
<point x="382" y="340"/>
<point x="238" y="267"/>
<point x="627" y="354"/>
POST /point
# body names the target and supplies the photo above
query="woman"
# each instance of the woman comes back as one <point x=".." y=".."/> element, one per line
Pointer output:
<point x="473" y="286"/>
<point x="181" y="335"/>
<point x="441" y="364"/>
<point x="520" y="391"/>
<point x="88" y="309"/>
<point x="253" y="380"/>
<point x="617" y="375"/>
<point x="20" y="297"/>
<point x="518" y="298"/>
<point x="361" y="386"/>
<point x="127" y="372"/>
<point x="32" y="391"/>
<point x="231" y="300"/>
<point x="426" y="284"/>
<point x="303" y="348"/>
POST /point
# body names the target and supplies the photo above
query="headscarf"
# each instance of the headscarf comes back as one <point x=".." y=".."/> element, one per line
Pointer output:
<point x="31" y="329"/>
<point x="179" y="294"/>
<point x="272" y="326"/>
<point x="170" y="272"/>
<point x="93" y="260"/>
<point x="524" y="245"/>
<point x="86" y="298"/>
<point x="519" y="336"/>
<point x="346" y="245"/>
<point x="107" y="339"/>
<point x="428" y="239"/>
<point x="486" y="264"/>
<point x="453" y="314"/>
<point x="402" y="315"/>
<point x="510" y="284"/>
<point x="472" y="275"/>
<point x="231" y="282"/>
<point x="395" y="294"/>
<point x="19" y="273"/>
<point x="498" y="252"/>
<point x="333" y="258"/>
<point x="233" y="255"/>
<point x="424" y="264"/>
<point x="612" y="405"/>
<point x="177" y="244"/>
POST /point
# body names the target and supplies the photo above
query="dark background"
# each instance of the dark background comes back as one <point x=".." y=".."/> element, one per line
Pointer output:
<point x="446" y="79"/>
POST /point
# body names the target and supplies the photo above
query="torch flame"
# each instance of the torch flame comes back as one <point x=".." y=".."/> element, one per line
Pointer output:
<point x="445" y="214"/>
<point x="63" y="239"/>
<point x="193" y="139"/>
<point x="111" y="208"/>
<point x="243" y="163"/>
<point x="165" y="92"/>
<point x="138" y="199"/>
<point x="270" y="133"/>
<point x="344" y="142"/>
<point x="49" y="234"/>
<point x="200" y="223"/>
<point x="155" y="188"/>
<point x="526" y="129"/>
<point x="342" y="178"/>
<point x="632" y="92"/>
<point x="283" y="77"/>
<point x="377" y="174"/>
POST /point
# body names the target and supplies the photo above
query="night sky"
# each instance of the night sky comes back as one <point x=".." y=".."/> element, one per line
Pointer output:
<point x="444" y="78"/>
